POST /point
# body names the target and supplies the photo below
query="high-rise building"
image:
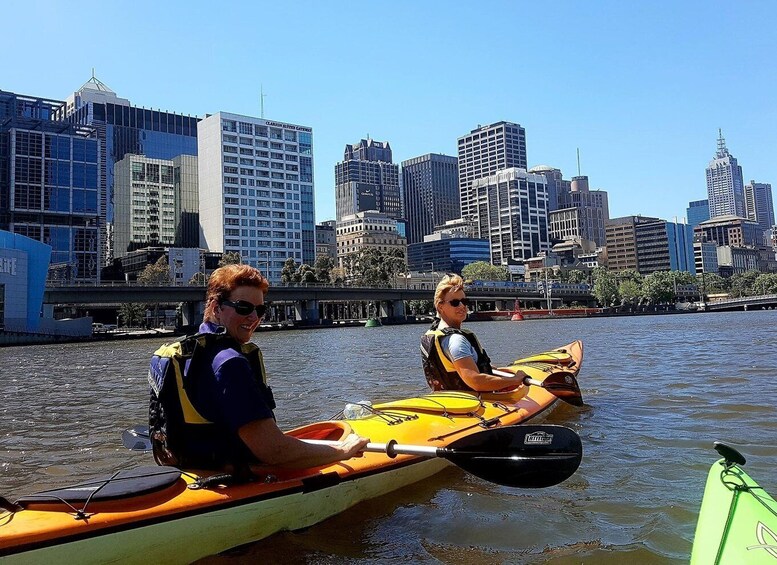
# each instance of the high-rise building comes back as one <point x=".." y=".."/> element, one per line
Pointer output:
<point x="483" y="152"/>
<point x="256" y="190"/>
<point x="725" y="188"/>
<point x="187" y="201"/>
<point x="49" y="184"/>
<point x="558" y="187"/>
<point x="431" y="190"/>
<point x="729" y="230"/>
<point x="664" y="246"/>
<point x="759" y="206"/>
<point x="581" y="213"/>
<point x="125" y="129"/>
<point x="622" y="241"/>
<point x="367" y="179"/>
<point x="148" y="203"/>
<point x="511" y="210"/>
<point x="698" y="211"/>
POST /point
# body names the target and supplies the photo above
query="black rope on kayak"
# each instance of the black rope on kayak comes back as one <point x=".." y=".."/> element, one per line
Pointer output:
<point x="737" y="488"/>
<point x="742" y="487"/>
<point x="391" y="418"/>
<point x="9" y="507"/>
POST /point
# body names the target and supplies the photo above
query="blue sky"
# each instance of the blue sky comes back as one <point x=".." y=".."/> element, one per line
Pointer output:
<point x="640" y="87"/>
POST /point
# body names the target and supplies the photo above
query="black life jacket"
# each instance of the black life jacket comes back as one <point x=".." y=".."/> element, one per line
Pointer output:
<point x="180" y="435"/>
<point x="440" y="372"/>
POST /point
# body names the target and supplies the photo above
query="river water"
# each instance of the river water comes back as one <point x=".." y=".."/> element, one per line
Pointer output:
<point x="659" y="390"/>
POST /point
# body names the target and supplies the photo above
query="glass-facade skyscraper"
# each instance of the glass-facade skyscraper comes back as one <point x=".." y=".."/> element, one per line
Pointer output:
<point x="431" y="186"/>
<point x="49" y="184"/>
<point x="698" y="211"/>
<point x="125" y="129"/>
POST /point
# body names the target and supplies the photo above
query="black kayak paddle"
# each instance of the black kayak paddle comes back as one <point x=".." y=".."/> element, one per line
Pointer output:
<point x="523" y="456"/>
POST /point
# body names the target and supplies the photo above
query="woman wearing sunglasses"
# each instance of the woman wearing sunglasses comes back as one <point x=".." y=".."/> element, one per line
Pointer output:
<point x="227" y="384"/>
<point x="453" y="358"/>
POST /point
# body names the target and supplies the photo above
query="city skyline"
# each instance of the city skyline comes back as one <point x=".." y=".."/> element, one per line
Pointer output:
<point x="640" y="92"/>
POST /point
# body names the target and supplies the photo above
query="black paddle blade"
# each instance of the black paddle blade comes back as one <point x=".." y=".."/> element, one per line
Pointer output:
<point x="136" y="439"/>
<point x="563" y="385"/>
<point x="525" y="456"/>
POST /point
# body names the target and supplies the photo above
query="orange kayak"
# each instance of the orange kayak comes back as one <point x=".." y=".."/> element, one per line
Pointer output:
<point x="166" y="515"/>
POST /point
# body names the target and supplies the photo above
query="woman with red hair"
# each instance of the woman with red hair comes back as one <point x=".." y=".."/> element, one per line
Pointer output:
<point x="226" y="386"/>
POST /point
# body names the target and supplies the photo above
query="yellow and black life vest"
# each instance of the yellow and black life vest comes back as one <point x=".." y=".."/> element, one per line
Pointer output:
<point x="175" y="423"/>
<point x="440" y="372"/>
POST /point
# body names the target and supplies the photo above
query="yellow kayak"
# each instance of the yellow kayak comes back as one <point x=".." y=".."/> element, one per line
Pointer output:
<point x="168" y="515"/>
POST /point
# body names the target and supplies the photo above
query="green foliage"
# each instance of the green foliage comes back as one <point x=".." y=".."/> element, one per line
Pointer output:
<point x="605" y="287"/>
<point x="305" y="274"/>
<point x="658" y="287"/>
<point x="576" y="276"/>
<point x="198" y="279"/>
<point x="743" y="284"/>
<point x="132" y="314"/>
<point x="630" y="275"/>
<point x="157" y="274"/>
<point x="630" y="292"/>
<point x="766" y="283"/>
<point x="421" y="307"/>
<point x="395" y="263"/>
<point x="323" y="268"/>
<point x="289" y="271"/>
<point x="230" y="258"/>
<point x="712" y="283"/>
<point x="371" y="267"/>
<point x="485" y="271"/>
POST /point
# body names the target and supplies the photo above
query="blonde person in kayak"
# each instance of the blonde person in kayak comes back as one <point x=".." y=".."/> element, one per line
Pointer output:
<point x="453" y="358"/>
<point x="225" y="384"/>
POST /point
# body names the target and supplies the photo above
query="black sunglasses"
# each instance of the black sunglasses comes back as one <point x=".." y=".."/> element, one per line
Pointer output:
<point x="456" y="302"/>
<point x="244" y="308"/>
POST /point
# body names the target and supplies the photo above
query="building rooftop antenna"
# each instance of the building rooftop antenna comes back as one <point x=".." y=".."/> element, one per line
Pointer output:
<point x="261" y="100"/>
<point x="578" y="161"/>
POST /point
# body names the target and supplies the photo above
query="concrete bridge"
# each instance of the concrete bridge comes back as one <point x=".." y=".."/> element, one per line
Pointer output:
<point x="310" y="303"/>
<point x="744" y="303"/>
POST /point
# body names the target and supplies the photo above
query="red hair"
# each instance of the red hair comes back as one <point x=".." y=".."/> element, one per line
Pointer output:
<point x="226" y="279"/>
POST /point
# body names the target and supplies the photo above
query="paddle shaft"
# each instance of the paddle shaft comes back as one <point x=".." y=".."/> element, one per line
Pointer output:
<point x="392" y="449"/>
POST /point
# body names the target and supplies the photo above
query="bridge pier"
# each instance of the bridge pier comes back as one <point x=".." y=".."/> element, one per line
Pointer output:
<point x="306" y="310"/>
<point x="191" y="313"/>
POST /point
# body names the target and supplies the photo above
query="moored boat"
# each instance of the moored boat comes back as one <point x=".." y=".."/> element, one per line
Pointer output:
<point x="164" y="515"/>
<point x="738" y="518"/>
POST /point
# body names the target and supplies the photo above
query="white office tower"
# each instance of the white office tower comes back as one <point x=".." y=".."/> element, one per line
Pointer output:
<point x="256" y="190"/>
<point x="483" y="152"/>
<point x="725" y="188"/>
<point x="511" y="207"/>
<point x="144" y="203"/>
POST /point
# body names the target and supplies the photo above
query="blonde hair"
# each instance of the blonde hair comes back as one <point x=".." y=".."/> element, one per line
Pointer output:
<point x="226" y="279"/>
<point x="449" y="283"/>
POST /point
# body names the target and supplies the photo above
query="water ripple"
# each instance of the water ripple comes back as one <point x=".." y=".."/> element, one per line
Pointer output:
<point x="659" y="390"/>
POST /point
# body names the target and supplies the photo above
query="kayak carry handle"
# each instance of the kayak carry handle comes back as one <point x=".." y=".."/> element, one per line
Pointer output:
<point x="731" y="455"/>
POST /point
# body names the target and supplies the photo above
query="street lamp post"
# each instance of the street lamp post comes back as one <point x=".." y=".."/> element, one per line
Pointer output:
<point x="703" y="291"/>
